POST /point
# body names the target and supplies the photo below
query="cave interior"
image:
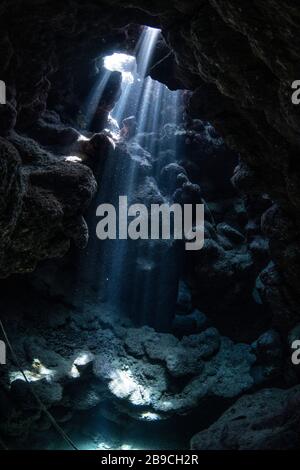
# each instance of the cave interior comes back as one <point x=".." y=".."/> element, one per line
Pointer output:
<point x="141" y="344"/>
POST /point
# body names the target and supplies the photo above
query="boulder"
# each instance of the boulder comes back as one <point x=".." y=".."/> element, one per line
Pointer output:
<point x="267" y="420"/>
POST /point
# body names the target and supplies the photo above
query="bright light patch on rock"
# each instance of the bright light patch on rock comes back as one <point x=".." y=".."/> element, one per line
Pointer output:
<point x="73" y="159"/>
<point x="74" y="372"/>
<point x="124" y="385"/>
<point x="148" y="416"/>
<point x="83" y="359"/>
<point x="38" y="372"/>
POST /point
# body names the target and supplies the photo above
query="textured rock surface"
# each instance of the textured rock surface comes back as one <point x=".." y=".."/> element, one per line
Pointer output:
<point x="43" y="199"/>
<point x="77" y="359"/>
<point x="267" y="420"/>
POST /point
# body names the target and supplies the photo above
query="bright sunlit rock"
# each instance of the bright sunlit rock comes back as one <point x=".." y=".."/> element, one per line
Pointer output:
<point x="124" y="385"/>
<point x="83" y="359"/>
<point x="38" y="372"/>
<point x="73" y="159"/>
<point x="149" y="416"/>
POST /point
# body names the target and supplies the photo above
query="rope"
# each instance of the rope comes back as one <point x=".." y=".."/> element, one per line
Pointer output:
<point x="41" y="404"/>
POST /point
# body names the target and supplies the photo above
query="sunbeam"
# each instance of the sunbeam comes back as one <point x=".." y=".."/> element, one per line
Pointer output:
<point x="152" y="106"/>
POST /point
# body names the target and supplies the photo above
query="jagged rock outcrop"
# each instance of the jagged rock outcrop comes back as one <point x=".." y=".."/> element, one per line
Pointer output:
<point x="43" y="199"/>
<point x="267" y="420"/>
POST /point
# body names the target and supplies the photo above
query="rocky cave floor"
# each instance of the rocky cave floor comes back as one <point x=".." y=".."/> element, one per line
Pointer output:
<point x="112" y="385"/>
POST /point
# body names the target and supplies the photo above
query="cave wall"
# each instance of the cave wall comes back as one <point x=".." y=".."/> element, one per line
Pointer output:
<point x="241" y="58"/>
<point x="47" y="51"/>
<point x="238" y="58"/>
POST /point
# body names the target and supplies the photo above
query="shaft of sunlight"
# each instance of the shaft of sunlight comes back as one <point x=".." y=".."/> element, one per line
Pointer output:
<point x="94" y="97"/>
<point x="132" y="275"/>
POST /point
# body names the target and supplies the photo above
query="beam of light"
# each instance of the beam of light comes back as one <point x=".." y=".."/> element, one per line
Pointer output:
<point x="143" y="112"/>
<point x="151" y="142"/>
<point x="119" y="110"/>
<point x="159" y="107"/>
<point x="153" y="105"/>
<point x="94" y="97"/>
<point x="144" y="51"/>
<point x="148" y="42"/>
<point x="167" y="101"/>
<point x="105" y="265"/>
<point x="116" y="62"/>
<point x="133" y="97"/>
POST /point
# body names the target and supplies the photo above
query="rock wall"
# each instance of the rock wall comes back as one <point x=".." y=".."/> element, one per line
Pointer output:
<point x="48" y="55"/>
<point x="241" y="58"/>
<point x="266" y="420"/>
